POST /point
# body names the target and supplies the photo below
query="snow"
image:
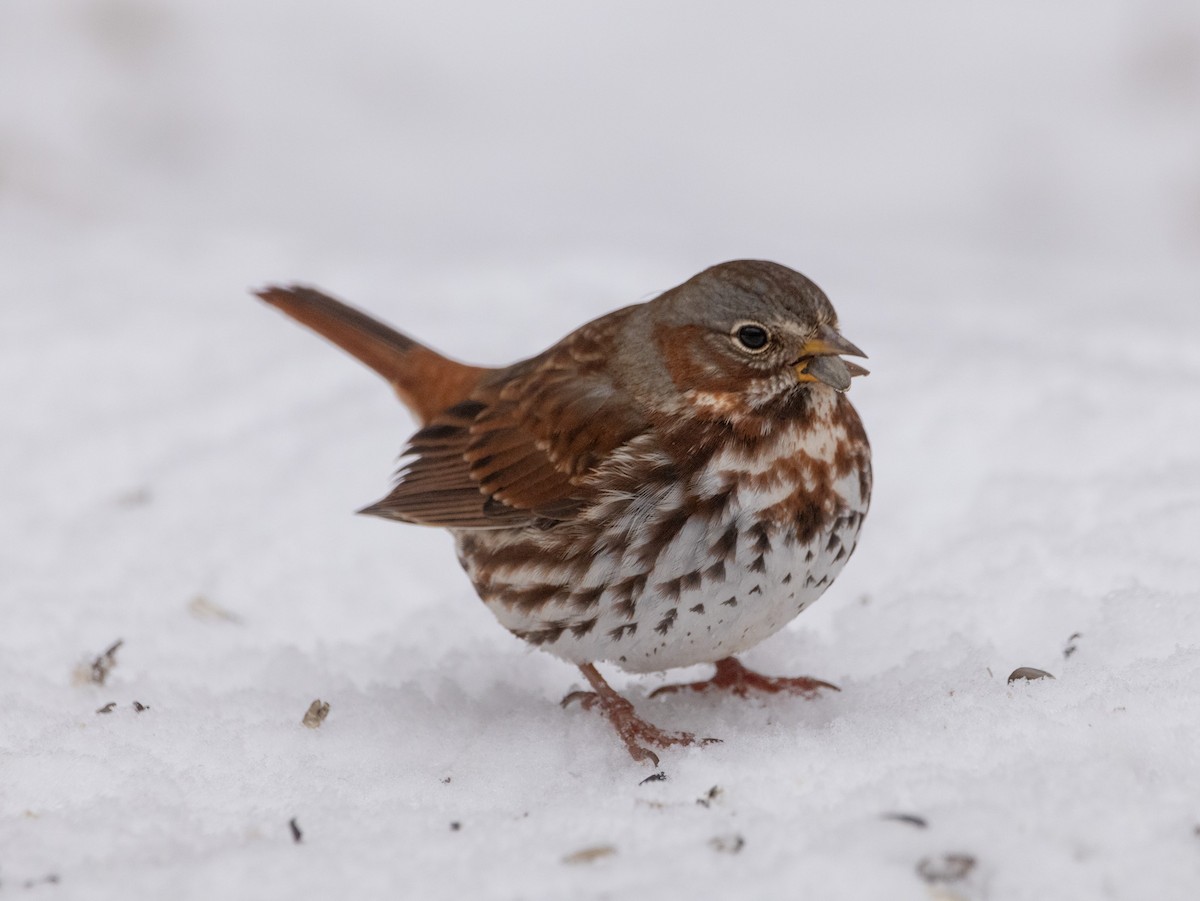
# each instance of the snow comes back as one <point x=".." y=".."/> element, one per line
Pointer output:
<point x="1003" y="202"/>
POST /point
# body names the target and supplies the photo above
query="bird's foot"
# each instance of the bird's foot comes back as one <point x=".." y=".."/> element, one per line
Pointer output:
<point x="633" y="730"/>
<point x="731" y="676"/>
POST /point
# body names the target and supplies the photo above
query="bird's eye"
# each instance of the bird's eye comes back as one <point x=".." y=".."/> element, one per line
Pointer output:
<point x="752" y="337"/>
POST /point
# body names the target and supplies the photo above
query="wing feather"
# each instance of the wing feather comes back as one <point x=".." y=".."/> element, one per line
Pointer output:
<point x="521" y="447"/>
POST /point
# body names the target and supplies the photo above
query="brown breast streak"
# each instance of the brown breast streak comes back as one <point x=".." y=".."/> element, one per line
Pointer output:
<point x="815" y="504"/>
<point x="561" y="556"/>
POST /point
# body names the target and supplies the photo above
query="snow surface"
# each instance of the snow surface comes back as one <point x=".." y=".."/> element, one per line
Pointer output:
<point x="1003" y="201"/>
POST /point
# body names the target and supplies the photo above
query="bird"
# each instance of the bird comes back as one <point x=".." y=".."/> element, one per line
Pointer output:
<point x="668" y="485"/>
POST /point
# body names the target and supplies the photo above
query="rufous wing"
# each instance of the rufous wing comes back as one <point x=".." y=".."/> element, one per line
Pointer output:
<point x="519" y="450"/>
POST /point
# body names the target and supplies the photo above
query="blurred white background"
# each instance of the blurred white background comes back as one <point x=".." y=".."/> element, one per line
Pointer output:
<point x="414" y="135"/>
<point x="1001" y="199"/>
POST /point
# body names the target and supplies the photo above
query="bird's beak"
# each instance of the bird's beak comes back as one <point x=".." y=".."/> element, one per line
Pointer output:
<point x="820" y="360"/>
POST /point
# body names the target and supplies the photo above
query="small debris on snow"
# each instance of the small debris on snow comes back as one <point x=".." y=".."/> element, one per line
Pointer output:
<point x="96" y="672"/>
<point x="138" y="706"/>
<point x="455" y="826"/>
<point x="316" y="713"/>
<point x="660" y="776"/>
<point x="910" y="818"/>
<point x="202" y="608"/>
<point x="1028" y="672"/>
<point x="945" y="870"/>
<point x="727" y="844"/>
<point x="1071" y="647"/>
<point x="135" y="497"/>
<point x="108" y="708"/>
<point x="49" y="879"/>
<point x="711" y="795"/>
<point x="297" y="835"/>
<point x="590" y="855"/>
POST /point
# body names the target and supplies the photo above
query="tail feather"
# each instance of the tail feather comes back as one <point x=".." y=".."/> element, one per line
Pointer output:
<point x="425" y="381"/>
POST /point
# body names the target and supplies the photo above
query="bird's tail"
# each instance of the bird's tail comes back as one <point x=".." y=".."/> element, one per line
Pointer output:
<point x="425" y="381"/>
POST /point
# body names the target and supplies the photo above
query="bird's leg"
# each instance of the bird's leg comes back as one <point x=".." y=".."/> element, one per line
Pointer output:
<point x="733" y="677"/>
<point x="634" y="731"/>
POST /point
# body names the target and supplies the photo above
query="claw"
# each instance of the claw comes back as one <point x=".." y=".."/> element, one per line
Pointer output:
<point x="639" y="754"/>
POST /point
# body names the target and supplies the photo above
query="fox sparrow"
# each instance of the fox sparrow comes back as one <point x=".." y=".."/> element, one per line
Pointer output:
<point x="668" y="485"/>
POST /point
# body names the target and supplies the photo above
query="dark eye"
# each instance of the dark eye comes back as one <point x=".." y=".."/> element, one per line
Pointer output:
<point x="752" y="337"/>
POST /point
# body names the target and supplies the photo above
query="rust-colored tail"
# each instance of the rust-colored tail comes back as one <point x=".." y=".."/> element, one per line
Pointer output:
<point x="425" y="381"/>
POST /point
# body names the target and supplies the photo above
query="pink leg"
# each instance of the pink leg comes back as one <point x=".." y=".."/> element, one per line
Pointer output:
<point x="732" y="676"/>
<point x="634" y="731"/>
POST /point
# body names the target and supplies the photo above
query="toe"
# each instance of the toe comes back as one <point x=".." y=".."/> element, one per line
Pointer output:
<point x="643" y="755"/>
<point x="586" y="699"/>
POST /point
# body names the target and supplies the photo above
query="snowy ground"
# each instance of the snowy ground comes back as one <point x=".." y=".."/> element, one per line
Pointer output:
<point x="1004" y="205"/>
